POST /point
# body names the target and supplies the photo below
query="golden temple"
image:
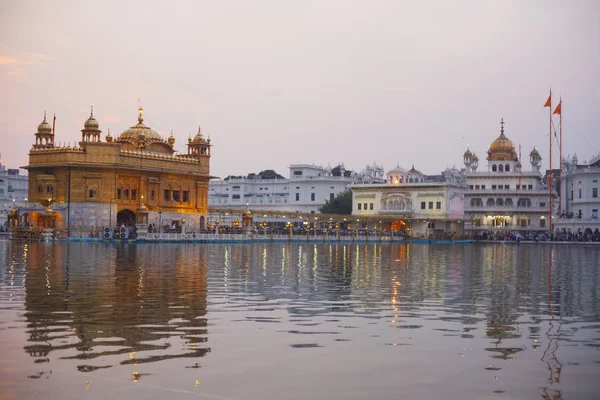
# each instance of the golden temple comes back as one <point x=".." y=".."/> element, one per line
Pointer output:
<point x="136" y="177"/>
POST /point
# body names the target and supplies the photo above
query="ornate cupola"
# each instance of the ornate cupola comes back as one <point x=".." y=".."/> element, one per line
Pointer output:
<point x="535" y="159"/>
<point x="171" y="140"/>
<point x="199" y="146"/>
<point x="475" y="162"/>
<point x="44" y="137"/>
<point x="468" y="158"/>
<point x="91" y="131"/>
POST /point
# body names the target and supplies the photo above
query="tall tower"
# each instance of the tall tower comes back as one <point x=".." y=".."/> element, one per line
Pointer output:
<point x="44" y="137"/>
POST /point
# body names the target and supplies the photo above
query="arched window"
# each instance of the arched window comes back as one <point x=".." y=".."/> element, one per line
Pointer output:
<point x="507" y="168"/>
<point x="490" y="203"/>
<point x="500" y="168"/>
<point x="499" y="202"/>
<point x="494" y="168"/>
<point x="508" y="202"/>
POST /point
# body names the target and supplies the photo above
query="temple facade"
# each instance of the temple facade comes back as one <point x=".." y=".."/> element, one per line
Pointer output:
<point x="504" y="197"/>
<point x="136" y="177"/>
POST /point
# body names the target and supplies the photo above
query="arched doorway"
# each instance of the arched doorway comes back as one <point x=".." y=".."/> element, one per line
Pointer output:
<point x="202" y="223"/>
<point x="125" y="217"/>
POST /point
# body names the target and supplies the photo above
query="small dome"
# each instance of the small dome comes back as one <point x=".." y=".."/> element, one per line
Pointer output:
<point x="415" y="171"/>
<point x="142" y="208"/>
<point x="247" y="214"/>
<point x="44" y="127"/>
<point x="468" y="152"/>
<point x="12" y="212"/>
<point x="91" y="124"/>
<point x="534" y="152"/>
<point x="475" y="157"/>
<point x="198" y="137"/>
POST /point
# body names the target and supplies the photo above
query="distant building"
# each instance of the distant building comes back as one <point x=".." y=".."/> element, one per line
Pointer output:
<point x="419" y="205"/>
<point x="306" y="190"/>
<point x="579" y="195"/>
<point x="505" y="198"/>
<point x="13" y="191"/>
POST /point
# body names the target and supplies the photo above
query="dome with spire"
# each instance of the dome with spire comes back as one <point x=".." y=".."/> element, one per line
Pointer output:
<point x="134" y="132"/>
<point x="91" y="124"/>
<point x="468" y="152"/>
<point x="44" y="127"/>
<point x="415" y="171"/>
<point x="534" y="152"/>
<point x="502" y="149"/>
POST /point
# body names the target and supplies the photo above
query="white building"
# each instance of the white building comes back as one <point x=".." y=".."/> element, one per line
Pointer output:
<point x="411" y="202"/>
<point x="13" y="190"/>
<point x="505" y="198"/>
<point x="579" y="195"/>
<point x="307" y="189"/>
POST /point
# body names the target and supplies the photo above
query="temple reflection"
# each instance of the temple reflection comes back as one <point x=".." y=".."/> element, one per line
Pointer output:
<point x="121" y="305"/>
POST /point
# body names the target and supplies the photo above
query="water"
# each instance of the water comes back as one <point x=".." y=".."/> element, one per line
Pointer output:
<point x="297" y="321"/>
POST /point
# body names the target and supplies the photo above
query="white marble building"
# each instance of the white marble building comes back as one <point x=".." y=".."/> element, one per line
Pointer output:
<point x="505" y="197"/>
<point x="307" y="188"/>
<point x="579" y="195"/>
<point x="13" y="190"/>
<point x="418" y="205"/>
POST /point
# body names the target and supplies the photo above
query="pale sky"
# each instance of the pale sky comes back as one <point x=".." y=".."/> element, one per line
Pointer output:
<point x="281" y="82"/>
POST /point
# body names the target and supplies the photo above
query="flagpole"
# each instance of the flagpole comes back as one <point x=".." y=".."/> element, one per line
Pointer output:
<point x="550" y="174"/>
<point x="561" y="165"/>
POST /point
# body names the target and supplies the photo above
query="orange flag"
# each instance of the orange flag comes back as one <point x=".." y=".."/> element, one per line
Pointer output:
<point x="548" y="101"/>
<point x="557" y="111"/>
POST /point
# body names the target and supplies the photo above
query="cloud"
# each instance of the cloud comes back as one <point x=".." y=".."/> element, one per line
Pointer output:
<point x="15" y="62"/>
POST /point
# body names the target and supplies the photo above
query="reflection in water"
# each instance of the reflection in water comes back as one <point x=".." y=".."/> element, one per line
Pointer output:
<point x="123" y="305"/>
<point x="507" y="312"/>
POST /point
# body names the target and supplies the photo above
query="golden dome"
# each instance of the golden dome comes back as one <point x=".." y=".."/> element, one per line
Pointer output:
<point x="534" y="152"/>
<point x="12" y="212"/>
<point x="502" y="149"/>
<point x="475" y="157"/>
<point x="247" y="214"/>
<point x="468" y="152"/>
<point x="133" y="132"/>
<point x="198" y="137"/>
<point x="44" y="127"/>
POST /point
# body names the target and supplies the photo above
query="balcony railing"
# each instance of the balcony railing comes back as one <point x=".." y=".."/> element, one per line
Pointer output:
<point x="513" y="208"/>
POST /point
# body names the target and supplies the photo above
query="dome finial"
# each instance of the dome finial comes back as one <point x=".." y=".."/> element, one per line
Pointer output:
<point x="502" y="126"/>
<point x="44" y="115"/>
<point x="91" y="110"/>
<point x="141" y="115"/>
<point x="199" y="129"/>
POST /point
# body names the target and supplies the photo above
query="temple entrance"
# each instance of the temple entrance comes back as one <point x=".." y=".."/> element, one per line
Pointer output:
<point x="125" y="217"/>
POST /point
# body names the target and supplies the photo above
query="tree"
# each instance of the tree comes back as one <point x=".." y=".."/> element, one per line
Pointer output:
<point x="341" y="204"/>
<point x="270" y="174"/>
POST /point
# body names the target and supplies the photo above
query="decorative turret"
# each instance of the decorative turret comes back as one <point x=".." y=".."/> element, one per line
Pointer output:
<point x="171" y="140"/>
<point x="44" y="137"/>
<point x="199" y="146"/>
<point x="109" y="138"/>
<point x="535" y="159"/>
<point x="90" y="131"/>
<point x="475" y="162"/>
<point x="468" y="158"/>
